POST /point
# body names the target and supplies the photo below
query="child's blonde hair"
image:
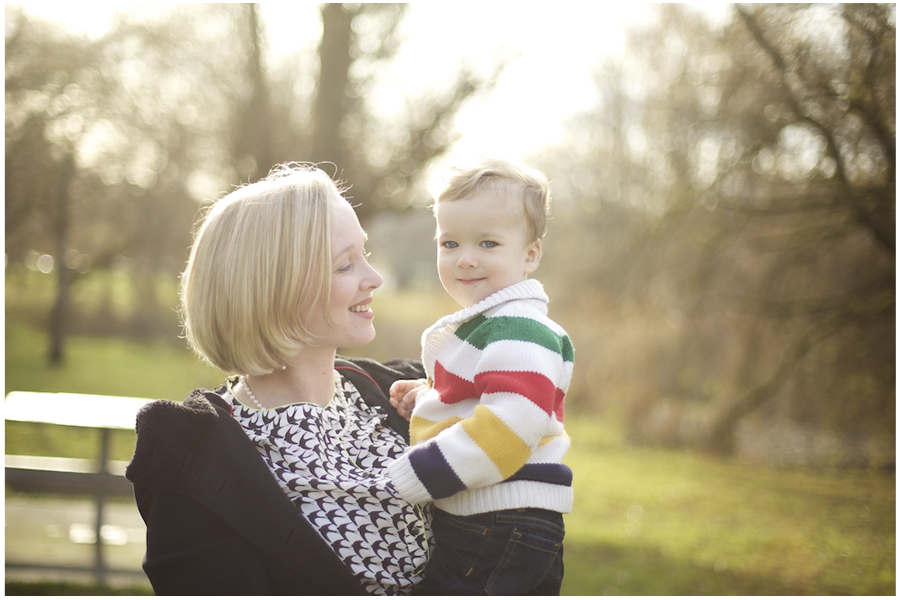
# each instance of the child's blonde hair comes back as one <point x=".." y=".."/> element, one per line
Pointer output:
<point x="260" y="260"/>
<point x="501" y="176"/>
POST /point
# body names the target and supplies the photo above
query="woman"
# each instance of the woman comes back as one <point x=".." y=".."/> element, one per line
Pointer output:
<point x="273" y="483"/>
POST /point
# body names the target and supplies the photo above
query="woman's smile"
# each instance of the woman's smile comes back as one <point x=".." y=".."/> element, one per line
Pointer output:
<point x="363" y="309"/>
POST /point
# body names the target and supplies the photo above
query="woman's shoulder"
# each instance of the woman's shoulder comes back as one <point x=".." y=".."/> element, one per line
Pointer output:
<point x="378" y="373"/>
<point x="171" y="433"/>
<point x="373" y="380"/>
<point x="200" y="404"/>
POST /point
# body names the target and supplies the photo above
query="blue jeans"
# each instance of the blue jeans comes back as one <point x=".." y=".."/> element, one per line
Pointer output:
<point x="506" y="553"/>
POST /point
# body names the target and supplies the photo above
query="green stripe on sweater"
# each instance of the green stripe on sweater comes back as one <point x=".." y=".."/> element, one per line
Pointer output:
<point x="516" y="329"/>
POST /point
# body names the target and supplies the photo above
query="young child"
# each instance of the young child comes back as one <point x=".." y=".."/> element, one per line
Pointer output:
<point x="487" y="428"/>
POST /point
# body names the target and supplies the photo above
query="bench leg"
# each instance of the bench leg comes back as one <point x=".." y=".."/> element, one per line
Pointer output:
<point x="100" y="562"/>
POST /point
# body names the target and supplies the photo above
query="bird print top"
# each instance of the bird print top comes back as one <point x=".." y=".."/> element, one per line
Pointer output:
<point x="331" y="464"/>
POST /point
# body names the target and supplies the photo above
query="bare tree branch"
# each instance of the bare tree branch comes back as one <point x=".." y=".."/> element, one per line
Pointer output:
<point x="880" y="231"/>
<point x="720" y="437"/>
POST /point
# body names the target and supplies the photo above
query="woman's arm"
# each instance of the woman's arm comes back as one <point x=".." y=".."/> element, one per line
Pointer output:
<point x="190" y="551"/>
<point x="374" y="379"/>
<point x="217" y="521"/>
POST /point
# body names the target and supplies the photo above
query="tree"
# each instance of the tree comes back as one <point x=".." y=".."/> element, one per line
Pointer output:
<point x="751" y="168"/>
<point x="120" y="139"/>
<point x="103" y="137"/>
<point x="379" y="156"/>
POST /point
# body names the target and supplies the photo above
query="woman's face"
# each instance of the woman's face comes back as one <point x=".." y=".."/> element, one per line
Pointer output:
<point x="353" y="281"/>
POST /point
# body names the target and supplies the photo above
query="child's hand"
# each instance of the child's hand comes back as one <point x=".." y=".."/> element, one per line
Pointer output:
<point x="403" y="395"/>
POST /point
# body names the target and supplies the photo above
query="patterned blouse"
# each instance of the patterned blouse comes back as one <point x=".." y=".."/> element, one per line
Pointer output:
<point x="331" y="464"/>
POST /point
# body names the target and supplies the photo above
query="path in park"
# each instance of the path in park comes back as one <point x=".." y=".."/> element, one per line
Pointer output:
<point x="62" y="531"/>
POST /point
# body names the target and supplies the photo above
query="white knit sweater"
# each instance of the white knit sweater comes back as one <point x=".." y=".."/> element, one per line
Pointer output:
<point x="488" y="433"/>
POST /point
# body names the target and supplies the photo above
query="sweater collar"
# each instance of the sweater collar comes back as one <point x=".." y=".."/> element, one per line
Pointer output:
<point x="529" y="289"/>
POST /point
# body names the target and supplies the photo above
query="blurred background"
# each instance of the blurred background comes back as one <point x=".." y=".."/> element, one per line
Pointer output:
<point x="722" y="247"/>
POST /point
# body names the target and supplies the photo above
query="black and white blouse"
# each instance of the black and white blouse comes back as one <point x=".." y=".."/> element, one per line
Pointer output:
<point x="331" y="463"/>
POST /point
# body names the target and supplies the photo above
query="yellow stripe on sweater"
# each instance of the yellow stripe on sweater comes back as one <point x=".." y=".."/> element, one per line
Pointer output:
<point x="505" y="449"/>
<point x="546" y="440"/>
<point x="424" y="429"/>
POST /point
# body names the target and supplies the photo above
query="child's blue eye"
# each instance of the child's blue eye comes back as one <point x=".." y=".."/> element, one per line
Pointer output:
<point x="450" y="245"/>
<point x="489" y="244"/>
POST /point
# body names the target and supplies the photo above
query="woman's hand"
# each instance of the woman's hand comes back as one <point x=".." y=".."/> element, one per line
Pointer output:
<point x="403" y="395"/>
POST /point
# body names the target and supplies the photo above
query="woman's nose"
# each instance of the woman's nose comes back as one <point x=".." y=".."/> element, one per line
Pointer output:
<point x="373" y="280"/>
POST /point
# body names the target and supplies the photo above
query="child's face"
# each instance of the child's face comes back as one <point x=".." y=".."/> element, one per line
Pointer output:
<point x="483" y="245"/>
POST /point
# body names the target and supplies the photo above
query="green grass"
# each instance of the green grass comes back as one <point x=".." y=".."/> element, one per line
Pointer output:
<point x="18" y="588"/>
<point x="110" y="366"/>
<point x="712" y="526"/>
<point x="93" y="366"/>
<point x="704" y="526"/>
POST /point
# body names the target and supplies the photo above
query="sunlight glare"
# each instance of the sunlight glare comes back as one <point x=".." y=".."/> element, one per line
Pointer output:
<point x="550" y="52"/>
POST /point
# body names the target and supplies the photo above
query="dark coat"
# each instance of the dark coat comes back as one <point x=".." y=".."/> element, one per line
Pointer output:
<point x="217" y="521"/>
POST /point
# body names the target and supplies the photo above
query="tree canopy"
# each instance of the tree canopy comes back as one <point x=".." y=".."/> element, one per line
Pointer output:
<point x="739" y="181"/>
<point x="113" y="143"/>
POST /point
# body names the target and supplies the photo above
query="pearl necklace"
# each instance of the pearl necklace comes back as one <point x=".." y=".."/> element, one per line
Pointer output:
<point x="250" y="393"/>
<point x="243" y="379"/>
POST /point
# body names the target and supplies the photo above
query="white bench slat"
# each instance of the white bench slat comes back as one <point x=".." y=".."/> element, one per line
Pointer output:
<point x="66" y="465"/>
<point x="78" y="410"/>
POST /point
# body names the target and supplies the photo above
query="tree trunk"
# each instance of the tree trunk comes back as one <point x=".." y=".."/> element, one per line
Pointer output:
<point x="720" y="437"/>
<point x="254" y="140"/>
<point x="64" y="276"/>
<point x="334" y="77"/>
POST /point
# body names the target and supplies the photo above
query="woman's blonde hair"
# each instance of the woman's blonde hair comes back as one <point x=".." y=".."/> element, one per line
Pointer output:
<point x="501" y="176"/>
<point x="260" y="260"/>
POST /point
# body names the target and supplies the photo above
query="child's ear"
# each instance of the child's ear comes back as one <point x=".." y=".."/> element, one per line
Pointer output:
<point x="533" y="256"/>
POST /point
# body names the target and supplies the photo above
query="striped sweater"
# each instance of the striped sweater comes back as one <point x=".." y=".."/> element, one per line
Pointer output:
<point x="488" y="432"/>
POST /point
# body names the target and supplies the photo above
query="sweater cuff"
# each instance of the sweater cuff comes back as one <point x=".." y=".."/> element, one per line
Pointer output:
<point x="406" y="483"/>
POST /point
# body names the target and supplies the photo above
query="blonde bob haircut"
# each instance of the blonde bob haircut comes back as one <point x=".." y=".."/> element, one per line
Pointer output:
<point x="501" y="176"/>
<point x="260" y="261"/>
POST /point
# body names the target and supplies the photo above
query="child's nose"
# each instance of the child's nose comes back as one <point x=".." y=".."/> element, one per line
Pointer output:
<point x="467" y="259"/>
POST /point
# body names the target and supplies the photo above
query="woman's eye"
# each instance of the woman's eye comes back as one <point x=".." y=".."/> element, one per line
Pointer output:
<point x="345" y="268"/>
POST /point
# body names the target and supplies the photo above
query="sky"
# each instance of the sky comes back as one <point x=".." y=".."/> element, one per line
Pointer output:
<point x="557" y="45"/>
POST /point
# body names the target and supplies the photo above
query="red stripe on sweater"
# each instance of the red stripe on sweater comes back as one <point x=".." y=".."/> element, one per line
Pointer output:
<point x="559" y="405"/>
<point x="452" y="388"/>
<point x="534" y="386"/>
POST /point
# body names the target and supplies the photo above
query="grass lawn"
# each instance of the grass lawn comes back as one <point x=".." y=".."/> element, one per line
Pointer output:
<point x="646" y="521"/>
<point x="661" y="522"/>
<point x="93" y="366"/>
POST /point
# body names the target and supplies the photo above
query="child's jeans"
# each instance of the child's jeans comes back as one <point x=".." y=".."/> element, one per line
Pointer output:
<point x="506" y="553"/>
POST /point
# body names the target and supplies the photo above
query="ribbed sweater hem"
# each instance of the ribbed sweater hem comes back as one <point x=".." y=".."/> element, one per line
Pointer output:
<point x="509" y="495"/>
<point x="405" y="481"/>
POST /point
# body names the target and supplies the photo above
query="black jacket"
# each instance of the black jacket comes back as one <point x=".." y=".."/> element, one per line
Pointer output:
<point x="217" y="521"/>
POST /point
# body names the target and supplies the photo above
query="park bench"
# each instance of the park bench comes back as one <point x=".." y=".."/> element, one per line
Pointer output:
<point x="100" y="477"/>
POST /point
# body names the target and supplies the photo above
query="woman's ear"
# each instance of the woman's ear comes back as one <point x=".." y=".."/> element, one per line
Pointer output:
<point x="533" y="256"/>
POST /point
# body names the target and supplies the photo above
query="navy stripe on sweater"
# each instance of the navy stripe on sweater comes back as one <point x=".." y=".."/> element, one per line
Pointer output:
<point x="441" y="481"/>
<point x="434" y="471"/>
<point x="545" y="473"/>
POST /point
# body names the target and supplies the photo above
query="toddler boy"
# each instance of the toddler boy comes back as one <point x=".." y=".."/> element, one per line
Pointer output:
<point x="487" y="428"/>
